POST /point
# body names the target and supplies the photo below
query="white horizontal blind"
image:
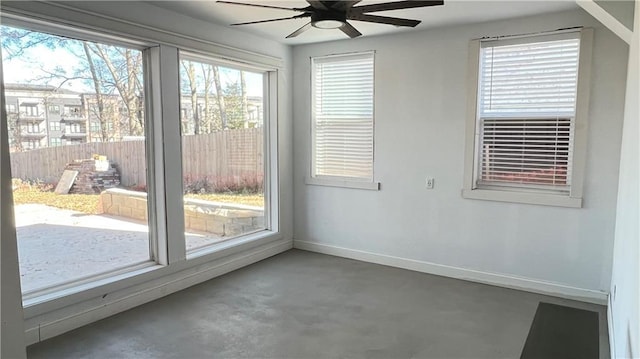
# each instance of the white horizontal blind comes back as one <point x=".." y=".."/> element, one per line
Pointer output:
<point x="527" y="151"/>
<point x="526" y="114"/>
<point x="342" y="91"/>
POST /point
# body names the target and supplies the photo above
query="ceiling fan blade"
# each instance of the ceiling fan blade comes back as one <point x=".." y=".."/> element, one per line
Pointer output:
<point x="317" y="4"/>
<point x="304" y="28"/>
<point x="384" y="20"/>
<point x="394" y="6"/>
<point x="350" y="30"/>
<point x="271" y="20"/>
<point x="264" y="6"/>
<point x="343" y="5"/>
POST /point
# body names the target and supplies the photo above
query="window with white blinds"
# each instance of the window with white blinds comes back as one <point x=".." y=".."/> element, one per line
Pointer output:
<point x="342" y="116"/>
<point x="526" y="113"/>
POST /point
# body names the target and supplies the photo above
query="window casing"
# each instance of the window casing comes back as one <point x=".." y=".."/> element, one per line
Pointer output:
<point x="526" y="131"/>
<point x="31" y="144"/>
<point x="169" y="260"/>
<point x="342" y="126"/>
<point x="29" y="110"/>
<point x="74" y="128"/>
<point x="71" y="111"/>
<point x="71" y="263"/>
<point x="215" y="130"/>
<point x="33" y="128"/>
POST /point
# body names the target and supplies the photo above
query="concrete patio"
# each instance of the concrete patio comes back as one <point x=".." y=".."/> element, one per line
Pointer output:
<point x="56" y="245"/>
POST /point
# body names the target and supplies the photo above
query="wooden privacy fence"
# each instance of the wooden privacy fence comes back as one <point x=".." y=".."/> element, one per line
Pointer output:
<point x="221" y="157"/>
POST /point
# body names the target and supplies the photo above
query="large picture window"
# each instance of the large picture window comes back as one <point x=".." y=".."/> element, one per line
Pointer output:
<point x="526" y="116"/>
<point x="342" y="117"/>
<point x="222" y="124"/>
<point x="158" y="162"/>
<point x="80" y="209"/>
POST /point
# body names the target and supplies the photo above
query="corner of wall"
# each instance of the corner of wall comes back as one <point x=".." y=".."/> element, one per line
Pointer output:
<point x="12" y="328"/>
<point x="624" y="304"/>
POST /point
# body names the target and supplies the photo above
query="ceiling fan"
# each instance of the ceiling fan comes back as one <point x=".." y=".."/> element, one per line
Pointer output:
<point x="334" y="14"/>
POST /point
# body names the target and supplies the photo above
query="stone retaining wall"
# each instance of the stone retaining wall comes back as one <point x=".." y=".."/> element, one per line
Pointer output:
<point x="223" y="219"/>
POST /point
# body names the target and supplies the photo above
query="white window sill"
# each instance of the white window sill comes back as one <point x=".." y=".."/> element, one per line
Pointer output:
<point x="42" y="299"/>
<point x="523" y="197"/>
<point x="333" y="182"/>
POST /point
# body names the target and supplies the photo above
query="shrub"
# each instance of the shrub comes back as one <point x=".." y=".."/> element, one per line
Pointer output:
<point x="20" y="184"/>
<point x="245" y="184"/>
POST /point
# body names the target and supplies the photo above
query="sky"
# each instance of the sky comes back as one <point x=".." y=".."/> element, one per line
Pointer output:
<point x="28" y="68"/>
<point x="18" y="70"/>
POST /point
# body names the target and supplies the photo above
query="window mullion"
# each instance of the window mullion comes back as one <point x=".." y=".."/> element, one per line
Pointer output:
<point x="271" y="178"/>
<point x="165" y="202"/>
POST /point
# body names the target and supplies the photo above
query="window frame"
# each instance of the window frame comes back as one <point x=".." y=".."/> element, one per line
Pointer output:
<point x="54" y="109"/>
<point x="55" y="311"/>
<point x="73" y="288"/>
<point x="514" y="193"/>
<point x="33" y="127"/>
<point x="269" y="102"/>
<point x="29" y="110"/>
<point x="339" y="181"/>
<point x="94" y="127"/>
<point x="31" y="144"/>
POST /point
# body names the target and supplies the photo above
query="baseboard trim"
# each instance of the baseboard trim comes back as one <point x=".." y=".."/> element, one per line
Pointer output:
<point x="129" y="299"/>
<point x="500" y="280"/>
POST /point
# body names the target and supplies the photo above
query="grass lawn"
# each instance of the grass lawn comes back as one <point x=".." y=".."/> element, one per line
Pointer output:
<point x="85" y="203"/>
<point x="88" y="203"/>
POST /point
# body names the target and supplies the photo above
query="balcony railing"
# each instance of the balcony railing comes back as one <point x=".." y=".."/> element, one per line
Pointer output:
<point x="34" y="134"/>
<point x="23" y="116"/>
<point x="72" y="118"/>
<point x="68" y="134"/>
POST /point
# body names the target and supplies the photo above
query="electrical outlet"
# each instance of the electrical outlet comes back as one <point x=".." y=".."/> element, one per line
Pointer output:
<point x="429" y="182"/>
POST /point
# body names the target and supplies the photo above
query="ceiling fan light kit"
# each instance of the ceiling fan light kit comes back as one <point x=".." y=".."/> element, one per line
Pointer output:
<point x="328" y="20"/>
<point x="334" y="14"/>
<point x="327" y="24"/>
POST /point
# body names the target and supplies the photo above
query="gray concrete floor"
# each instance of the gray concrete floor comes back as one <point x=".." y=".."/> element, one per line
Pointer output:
<point x="305" y="305"/>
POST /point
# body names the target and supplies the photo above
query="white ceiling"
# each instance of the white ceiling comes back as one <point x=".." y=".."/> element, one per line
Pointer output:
<point x="452" y="12"/>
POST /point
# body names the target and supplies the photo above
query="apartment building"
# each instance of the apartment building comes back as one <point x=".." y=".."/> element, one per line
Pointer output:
<point x="46" y="116"/>
<point x="43" y="116"/>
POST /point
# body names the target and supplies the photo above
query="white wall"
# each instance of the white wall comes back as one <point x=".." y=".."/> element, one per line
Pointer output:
<point x="420" y="108"/>
<point x="625" y="298"/>
<point x="620" y="10"/>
